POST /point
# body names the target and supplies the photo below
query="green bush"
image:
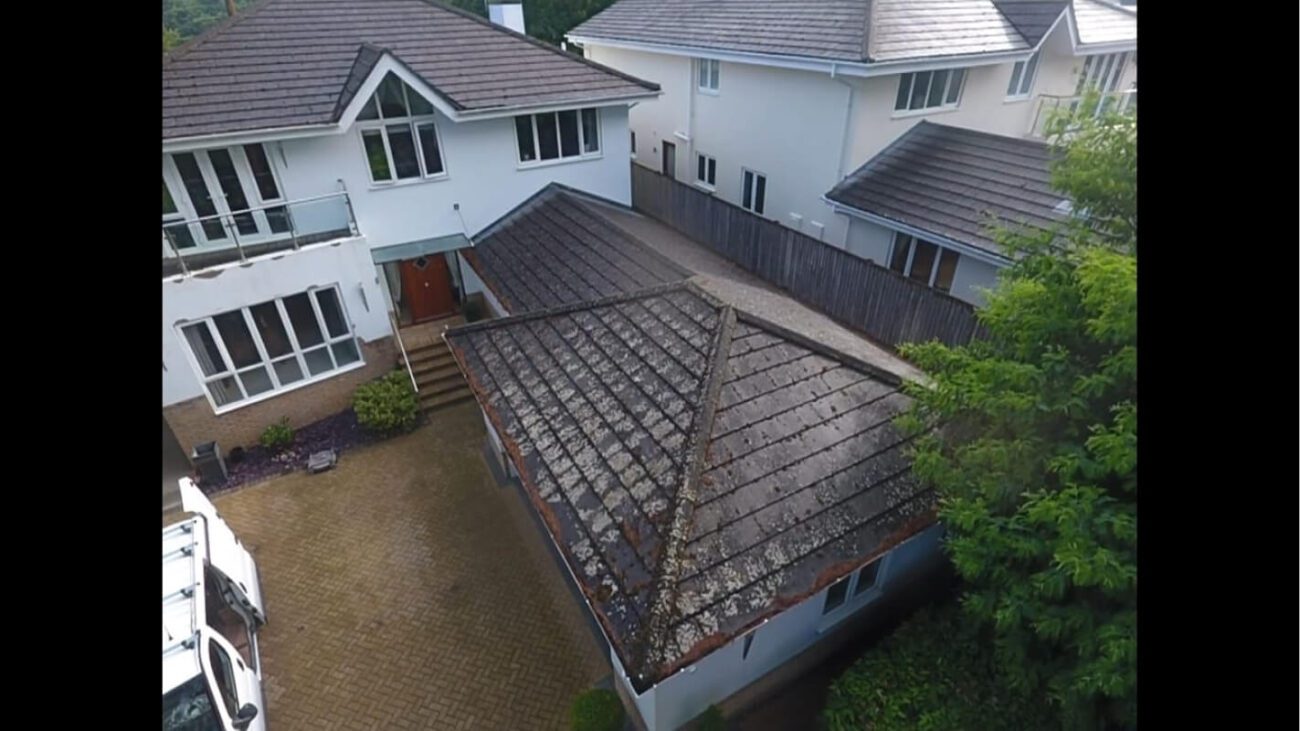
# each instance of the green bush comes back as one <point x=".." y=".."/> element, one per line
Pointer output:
<point x="936" y="672"/>
<point x="597" y="710"/>
<point x="711" y="720"/>
<point x="388" y="404"/>
<point x="278" y="435"/>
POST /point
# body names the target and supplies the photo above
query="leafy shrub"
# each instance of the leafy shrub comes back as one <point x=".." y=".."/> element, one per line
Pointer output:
<point x="277" y="436"/>
<point x="711" y="720"/>
<point x="936" y="672"/>
<point x="474" y="310"/>
<point x="387" y="404"/>
<point x="597" y="710"/>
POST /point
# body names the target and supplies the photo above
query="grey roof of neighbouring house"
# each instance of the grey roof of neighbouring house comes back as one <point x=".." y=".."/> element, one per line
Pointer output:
<point x="285" y="63"/>
<point x="553" y="250"/>
<point x="1098" y="22"/>
<point x="836" y="30"/>
<point x="700" y="469"/>
<point x="949" y="181"/>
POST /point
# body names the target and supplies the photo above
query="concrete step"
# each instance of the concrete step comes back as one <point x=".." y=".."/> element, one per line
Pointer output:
<point x="426" y="358"/>
<point x="430" y="371"/>
<point x="443" y="385"/>
<point x="433" y="402"/>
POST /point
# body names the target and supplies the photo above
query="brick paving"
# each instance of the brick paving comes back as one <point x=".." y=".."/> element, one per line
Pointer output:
<point x="406" y="590"/>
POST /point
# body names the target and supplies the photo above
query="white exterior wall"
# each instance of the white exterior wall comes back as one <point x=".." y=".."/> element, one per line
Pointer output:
<point x="869" y="240"/>
<point x="345" y="263"/>
<point x="971" y="277"/>
<point x="657" y="120"/>
<point x="720" y="674"/>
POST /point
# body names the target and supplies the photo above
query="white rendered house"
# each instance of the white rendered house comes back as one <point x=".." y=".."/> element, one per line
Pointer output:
<point x="320" y="174"/>
<point x="770" y="105"/>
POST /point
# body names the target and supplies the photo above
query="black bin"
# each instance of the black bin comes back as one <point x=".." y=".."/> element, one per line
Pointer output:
<point x="211" y="467"/>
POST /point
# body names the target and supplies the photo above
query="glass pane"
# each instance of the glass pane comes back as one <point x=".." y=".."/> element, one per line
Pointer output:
<point x="237" y="339"/>
<point x="224" y="672"/>
<point x="261" y="168"/>
<point x="169" y="205"/>
<point x="303" y="319"/>
<point x="181" y="236"/>
<point x="867" y="577"/>
<point x="714" y="68"/>
<point x="904" y="88"/>
<point x="225" y="391"/>
<point x="318" y="361"/>
<point x="590" y="131"/>
<point x="256" y="380"/>
<point x="568" y="133"/>
<point x="747" y="190"/>
<point x="419" y="105"/>
<point x="760" y="193"/>
<point x="1113" y="83"/>
<point x="1027" y="82"/>
<point x="1103" y="77"/>
<point x="524" y="132"/>
<point x="197" y="190"/>
<point x="189" y="708"/>
<point x="370" y="110"/>
<point x="278" y="219"/>
<point x="328" y="299"/>
<point x="921" y="88"/>
<point x="1083" y="75"/>
<point x="270" y="326"/>
<point x="902" y="245"/>
<point x="376" y="155"/>
<point x="204" y="348"/>
<point x="700" y="168"/>
<point x="923" y="261"/>
<point x="713" y="171"/>
<point x="233" y="190"/>
<point x="954" y="86"/>
<point x="704" y="74"/>
<point x="1013" y="86"/>
<point x="391" y="103"/>
<point x="346" y="352"/>
<point x="429" y="148"/>
<point x="947" y="268"/>
<point x="287" y="370"/>
<point x="402" y="145"/>
<point x="937" y="88"/>
<point x="836" y="595"/>
<point x="546" y="139"/>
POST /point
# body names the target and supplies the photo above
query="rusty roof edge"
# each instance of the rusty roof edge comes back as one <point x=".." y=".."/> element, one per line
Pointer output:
<point x="663" y="608"/>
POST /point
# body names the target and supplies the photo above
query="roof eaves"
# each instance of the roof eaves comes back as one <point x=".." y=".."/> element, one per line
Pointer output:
<point x="368" y="55"/>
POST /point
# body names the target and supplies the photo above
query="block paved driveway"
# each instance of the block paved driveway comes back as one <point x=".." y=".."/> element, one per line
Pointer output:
<point x="406" y="590"/>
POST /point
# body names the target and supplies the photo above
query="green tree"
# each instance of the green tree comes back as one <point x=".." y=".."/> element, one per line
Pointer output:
<point x="171" y="38"/>
<point x="1030" y="438"/>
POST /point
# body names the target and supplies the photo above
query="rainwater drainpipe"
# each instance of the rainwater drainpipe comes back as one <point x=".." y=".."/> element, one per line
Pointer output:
<point x="844" y="138"/>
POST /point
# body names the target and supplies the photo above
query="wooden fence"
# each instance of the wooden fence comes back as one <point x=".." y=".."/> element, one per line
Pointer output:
<point x="887" y="306"/>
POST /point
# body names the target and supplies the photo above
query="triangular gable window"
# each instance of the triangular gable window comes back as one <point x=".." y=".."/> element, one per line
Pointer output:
<point x="394" y="99"/>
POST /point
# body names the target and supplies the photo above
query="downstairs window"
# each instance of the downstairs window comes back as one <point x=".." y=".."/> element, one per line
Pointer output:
<point x="923" y="261"/>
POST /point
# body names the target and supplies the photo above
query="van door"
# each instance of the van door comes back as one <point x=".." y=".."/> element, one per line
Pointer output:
<point x="225" y="553"/>
<point x="233" y="684"/>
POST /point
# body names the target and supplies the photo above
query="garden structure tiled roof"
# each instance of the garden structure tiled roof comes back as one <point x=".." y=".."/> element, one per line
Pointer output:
<point x="862" y="31"/>
<point x="291" y="63"/>
<point x="700" y="469"/>
<point x="554" y="250"/>
<point x="955" y="183"/>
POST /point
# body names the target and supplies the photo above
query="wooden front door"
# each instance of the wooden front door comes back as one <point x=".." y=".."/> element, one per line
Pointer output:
<point x="426" y="284"/>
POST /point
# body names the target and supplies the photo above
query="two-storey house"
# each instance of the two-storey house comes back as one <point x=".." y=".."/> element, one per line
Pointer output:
<point x="769" y="104"/>
<point x="324" y="161"/>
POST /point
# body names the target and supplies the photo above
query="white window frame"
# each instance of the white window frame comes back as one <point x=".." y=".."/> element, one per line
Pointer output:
<point x="413" y="123"/>
<point x="911" y="254"/>
<point x="853" y="599"/>
<point x="266" y="361"/>
<point x="559" y="146"/>
<point x="632" y="132"/>
<point x="753" y="208"/>
<point x="708" y="73"/>
<point x="705" y="183"/>
<point x="944" y="105"/>
<point x="1023" y="76"/>
<point x="247" y="180"/>
<point x="1102" y="71"/>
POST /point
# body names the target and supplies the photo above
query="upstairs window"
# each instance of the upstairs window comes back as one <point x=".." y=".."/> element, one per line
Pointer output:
<point x="706" y="171"/>
<point x="707" y="70"/>
<point x="1101" y="72"/>
<point x="399" y="134"/>
<point x="572" y="133"/>
<point x="929" y="90"/>
<point x="923" y="262"/>
<point x="1022" y="78"/>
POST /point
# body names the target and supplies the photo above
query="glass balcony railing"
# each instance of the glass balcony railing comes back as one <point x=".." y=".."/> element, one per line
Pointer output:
<point x="1120" y="102"/>
<point x="190" y="245"/>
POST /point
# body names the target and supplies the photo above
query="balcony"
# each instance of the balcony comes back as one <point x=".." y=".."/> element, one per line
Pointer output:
<point x="190" y="245"/>
<point x="1121" y="102"/>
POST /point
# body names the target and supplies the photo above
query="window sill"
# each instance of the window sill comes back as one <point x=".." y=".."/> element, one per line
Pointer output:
<point x="222" y="410"/>
<point x="707" y="92"/>
<point x="532" y="164"/>
<point x="904" y="114"/>
<point x="408" y="182"/>
<point x="1017" y="99"/>
<point x="706" y="187"/>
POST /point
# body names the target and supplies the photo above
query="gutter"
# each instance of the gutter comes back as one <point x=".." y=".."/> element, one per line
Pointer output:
<point x="848" y="118"/>
<point x="987" y="257"/>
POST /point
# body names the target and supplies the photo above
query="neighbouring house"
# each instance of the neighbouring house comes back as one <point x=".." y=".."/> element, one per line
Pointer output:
<point x="924" y="206"/>
<point x="769" y="104"/>
<point x="326" y="164"/>
<point x="725" y="493"/>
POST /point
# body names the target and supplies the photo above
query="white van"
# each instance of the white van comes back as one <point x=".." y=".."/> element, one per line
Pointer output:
<point x="212" y="610"/>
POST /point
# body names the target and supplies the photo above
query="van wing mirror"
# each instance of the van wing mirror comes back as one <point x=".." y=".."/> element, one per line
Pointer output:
<point x="245" y="716"/>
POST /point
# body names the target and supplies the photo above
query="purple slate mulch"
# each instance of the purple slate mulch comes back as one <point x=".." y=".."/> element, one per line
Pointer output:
<point x="339" y="432"/>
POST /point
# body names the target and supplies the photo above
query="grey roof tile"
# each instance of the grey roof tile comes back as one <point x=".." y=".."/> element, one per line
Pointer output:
<point x="297" y="62"/>
<point x="955" y="183"/>
<point x="1102" y="22"/>
<point x="766" y="496"/>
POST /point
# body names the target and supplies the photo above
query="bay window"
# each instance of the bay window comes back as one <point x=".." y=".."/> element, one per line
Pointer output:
<point x="923" y="261"/>
<point x="399" y="134"/>
<point x="572" y="133"/>
<point x="929" y="90"/>
<point x="272" y="346"/>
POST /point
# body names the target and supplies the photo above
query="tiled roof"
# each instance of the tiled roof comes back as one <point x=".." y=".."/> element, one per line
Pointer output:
<point x="837" y="30"/>
<point x="1102" y="22"/>
<point x="700" y="469"/>
<point x="552" y="250"/>
<point x="954" y="182"/>
<point x="284" y="63"/>
<point x="1033" y="18"/>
